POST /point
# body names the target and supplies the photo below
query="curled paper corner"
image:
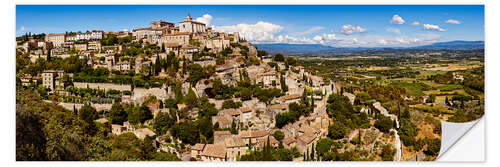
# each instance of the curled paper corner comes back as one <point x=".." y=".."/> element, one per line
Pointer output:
<point x="451" y="133"/>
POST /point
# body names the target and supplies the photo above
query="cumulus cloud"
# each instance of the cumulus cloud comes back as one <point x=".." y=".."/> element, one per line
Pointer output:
<point x="432" y="27"/>
<point x="259" y="32"/>
<point x="325" y="39"/>
<point x="292" y="39"/>
<point x="415" y="23"/>
<point x="451" y="21"/>
<point x="382" y="42"/>
<point x="311" y="30"/>
<point x="393" y="30"/>
<point x="206" y="18"/>
<point x="351" y="29"/>
<point x="396" y="19"/>
<point x="266" y="32"/>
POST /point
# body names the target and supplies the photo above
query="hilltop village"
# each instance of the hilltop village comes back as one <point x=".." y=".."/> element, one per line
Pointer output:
<point x="186" y="92"/>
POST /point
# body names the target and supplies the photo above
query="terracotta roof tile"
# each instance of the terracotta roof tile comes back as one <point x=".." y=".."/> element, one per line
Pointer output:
<point x="307" y="138"/>
<point x="198" y="146"/>
<point x="222" y="133"/>
<point x="234" y="142"/>
<point x="289" y="140"/>
<point x="245" y="109"/>
<point x="214" y="150"/>
<point x="290" y="97"/>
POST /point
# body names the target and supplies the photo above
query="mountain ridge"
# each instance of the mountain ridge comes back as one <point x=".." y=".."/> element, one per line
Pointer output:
<point x="318" y="48"/>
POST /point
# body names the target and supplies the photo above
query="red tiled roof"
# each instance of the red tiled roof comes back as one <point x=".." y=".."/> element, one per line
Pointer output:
<point x="307" y="138"/>
<point x="253" y="134"/>
<point x="262" y="142"/>
<point x="198" y="146"/>
<point x="290" y="97"/>
<point x="222" y="133"/>
<point x="230" y="111"/>
<point x="234" y="142"/>
<point x="214" y="150"/>
<point x="289" y="140"/>
<point x="245" y="109"/>
<point x="277" y="106"/>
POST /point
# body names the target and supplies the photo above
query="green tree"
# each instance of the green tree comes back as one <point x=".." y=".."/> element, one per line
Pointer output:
<point x="407" y="131"/>
<point x="279" y="57"/>
<point x="196" y="73"/>
<point x="433" y="147"/>
<point x="384" y="124"/>
<point x="278" y="135"/>
<point x="337" y="130"/>
<point x="162" y="122"/>
<point x="387" y="152"/>
<point x="30" y="139"/>
<point x="139" y="114"/>
<point x="147" y="149"/>
<point x="88" y="114"/>
<point x="231" y="104"/>
<point x="191" y="98"/>
<point x="291" y="61"/>
<point x="245" y="94"/>
<point x="117" y="114"/>
<point x="126" y="147"/>
<point x="324" y="146"/>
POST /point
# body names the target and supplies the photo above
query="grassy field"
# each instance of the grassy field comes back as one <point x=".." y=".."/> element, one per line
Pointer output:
<point x="416" y="88"/>
<point x="449" y="87"/>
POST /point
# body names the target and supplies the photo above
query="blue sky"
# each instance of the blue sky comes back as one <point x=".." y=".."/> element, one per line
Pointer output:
<point x="340" y="25"/>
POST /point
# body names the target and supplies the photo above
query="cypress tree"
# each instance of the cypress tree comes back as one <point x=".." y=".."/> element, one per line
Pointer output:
<point x="307" y="154"/>
<point x="312" y="152"/>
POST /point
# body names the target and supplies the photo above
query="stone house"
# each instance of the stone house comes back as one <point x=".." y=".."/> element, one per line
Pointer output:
<point x="268" y="78"/>
<point x="143" y="132"/>
<point x="289" y="142"/>
<point x="248" y="136"/>
<point x="278" y="108"/>
<point x="220" y="136"/>
<point x="305" y="142"/>
<point x="214" y="153"/>
<point x="246" y="114"/>
<point x="289" y="98"/>
<point x="235" y="147"/>
<point x="196" y="151"/>
<point x="263" y="141"/>
<point x="118" y="129"/>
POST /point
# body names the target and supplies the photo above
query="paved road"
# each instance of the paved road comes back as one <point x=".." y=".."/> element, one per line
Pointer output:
<point x="397" y="145"/>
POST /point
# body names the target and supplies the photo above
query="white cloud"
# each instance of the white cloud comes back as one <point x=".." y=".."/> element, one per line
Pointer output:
<point x="311" y="30"/>
<point x="258" y="32"/>
<point x="266" y="32"/>
<point x="325" y="38"/>
<point x="396" y="19"/>
<point x="382" y="42"/>
<point x="451" y="21"/>
<point x="393" y="30"/>
<point x="292" y="39"/>
<point x="415" y="23"/>
<point x="206" y="18"/>
<point x="351" y="29"/>
<point x="432" y="27"/>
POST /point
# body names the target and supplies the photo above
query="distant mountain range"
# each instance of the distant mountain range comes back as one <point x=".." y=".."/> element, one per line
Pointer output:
<point x="318" y="48"/>
<point x="454" y="45"/>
